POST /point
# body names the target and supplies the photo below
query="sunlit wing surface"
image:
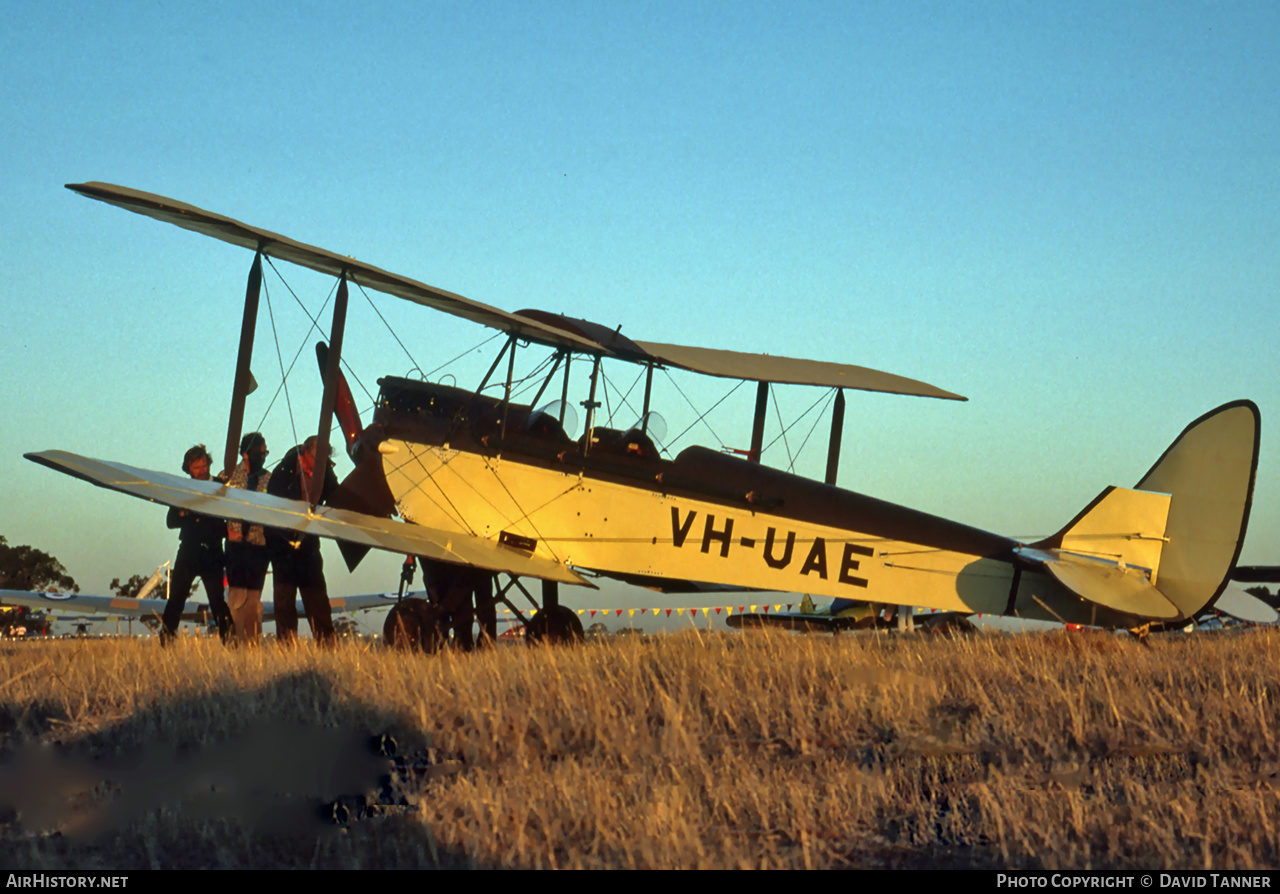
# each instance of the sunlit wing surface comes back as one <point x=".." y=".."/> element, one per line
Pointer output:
<point x="539" y="326"/>
<point x="212" y="498"/>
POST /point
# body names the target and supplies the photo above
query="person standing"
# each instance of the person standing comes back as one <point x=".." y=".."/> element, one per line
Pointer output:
<point x="296" y="564"/>
<point x="246" y="556"/>
<point x="199" y="555"/>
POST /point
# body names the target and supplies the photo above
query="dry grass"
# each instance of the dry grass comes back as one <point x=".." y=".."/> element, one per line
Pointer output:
<point x="677" y="751"/>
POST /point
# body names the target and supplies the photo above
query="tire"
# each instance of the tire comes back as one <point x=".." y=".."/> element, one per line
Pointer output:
<point x="555" y="627"/>
<point x="413" y="626"/>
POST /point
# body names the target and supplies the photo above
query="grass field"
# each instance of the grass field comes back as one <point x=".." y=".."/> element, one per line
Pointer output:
<point x="1031" y="751"/>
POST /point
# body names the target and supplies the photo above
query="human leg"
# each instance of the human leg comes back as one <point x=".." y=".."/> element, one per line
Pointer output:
<point x="184" y="572"/>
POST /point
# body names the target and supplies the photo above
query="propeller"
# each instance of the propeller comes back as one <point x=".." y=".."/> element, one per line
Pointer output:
<point x="344" y="405"/>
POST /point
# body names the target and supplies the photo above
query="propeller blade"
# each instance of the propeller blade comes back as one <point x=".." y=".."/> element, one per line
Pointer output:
<point x="344" y="406"/>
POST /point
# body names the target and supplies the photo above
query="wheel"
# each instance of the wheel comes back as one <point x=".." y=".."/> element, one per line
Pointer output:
<point x="413" y="625"/>
<point x="554" y="627"/>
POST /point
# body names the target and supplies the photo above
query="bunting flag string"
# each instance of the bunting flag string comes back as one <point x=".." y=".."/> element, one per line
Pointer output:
<point x="680" y="612"/>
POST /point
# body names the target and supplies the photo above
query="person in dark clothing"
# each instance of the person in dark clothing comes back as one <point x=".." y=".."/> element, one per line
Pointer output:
<point x="247" y="556"/>
<point x="296" y="564"/>
<point x="451" y="589"/>
<point x="199" y="555"/>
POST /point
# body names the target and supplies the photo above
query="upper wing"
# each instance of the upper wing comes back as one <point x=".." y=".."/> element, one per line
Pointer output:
<point x="227" y="229"/>
<point x="539" y="326"/>
<point x="213" y="498"/>
<point x="788" y="370"/>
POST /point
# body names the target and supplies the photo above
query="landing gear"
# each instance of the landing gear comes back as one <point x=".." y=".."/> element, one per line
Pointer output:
<point x="413" y="625"/>
<point x="555" y="625"/>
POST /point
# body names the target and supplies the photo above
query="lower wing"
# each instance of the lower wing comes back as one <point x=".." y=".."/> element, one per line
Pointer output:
<point x="218" y="500"/>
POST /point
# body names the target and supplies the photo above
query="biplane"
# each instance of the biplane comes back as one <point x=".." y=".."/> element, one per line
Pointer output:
<point x="482" y="483"/>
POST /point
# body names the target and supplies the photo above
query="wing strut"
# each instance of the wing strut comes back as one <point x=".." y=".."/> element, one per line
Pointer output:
<point x="332" y="371"/>
<point x="757" y="426"/>
<point x="591" y="405"/>
<point x="240" y="388"/>
<point x="837" y="430"/>
<point x="648" y="391"/>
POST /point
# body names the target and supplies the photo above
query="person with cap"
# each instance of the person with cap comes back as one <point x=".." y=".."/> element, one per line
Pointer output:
<point x="199" y="555"/>
<point x="247" y="557"/>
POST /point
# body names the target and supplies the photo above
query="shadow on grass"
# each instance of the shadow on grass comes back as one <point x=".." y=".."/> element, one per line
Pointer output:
<point x="223" y="779"/>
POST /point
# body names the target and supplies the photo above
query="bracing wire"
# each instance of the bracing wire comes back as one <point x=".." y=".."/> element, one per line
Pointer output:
<point x="275" y="337"/>
<point x="428" y="375"/>
<point x="604" y="388"/>
<point x="388" y="325"/>
<point x="702" y="416"/>
<point x="816" y="419"/>
<point x="821" y="397"/>
<point x="286" y="372"/>
<point x="777" y="412"/>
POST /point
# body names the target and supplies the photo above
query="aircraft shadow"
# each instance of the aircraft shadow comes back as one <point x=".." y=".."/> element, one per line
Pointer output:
<point x="252" y="780"/>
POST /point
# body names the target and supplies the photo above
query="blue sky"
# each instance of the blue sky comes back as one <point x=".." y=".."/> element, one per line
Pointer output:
<point x="1068" y="212"/>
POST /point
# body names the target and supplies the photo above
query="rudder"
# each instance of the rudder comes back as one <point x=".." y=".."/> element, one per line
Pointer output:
<point x="1209" y="472"/>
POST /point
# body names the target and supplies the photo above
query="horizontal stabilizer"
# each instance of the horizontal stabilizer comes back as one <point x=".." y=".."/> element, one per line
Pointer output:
<point x="218" y="500"/>
<point x="1106" y="583"/>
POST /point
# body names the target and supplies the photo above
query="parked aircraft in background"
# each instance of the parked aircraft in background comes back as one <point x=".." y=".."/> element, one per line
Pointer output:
<point x="152" y="609"/>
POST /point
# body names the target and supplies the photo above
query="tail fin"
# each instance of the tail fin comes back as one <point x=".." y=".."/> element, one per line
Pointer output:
<point x="1183" y="524"/>
<point x="1209" y="471"/>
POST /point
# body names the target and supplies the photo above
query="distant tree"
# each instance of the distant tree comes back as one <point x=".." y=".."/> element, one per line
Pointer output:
<point x="129" y="589"/>
<point x="346" y="627"/>
<point x="1265" y="595"/>
<point x="27" y="568"/>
